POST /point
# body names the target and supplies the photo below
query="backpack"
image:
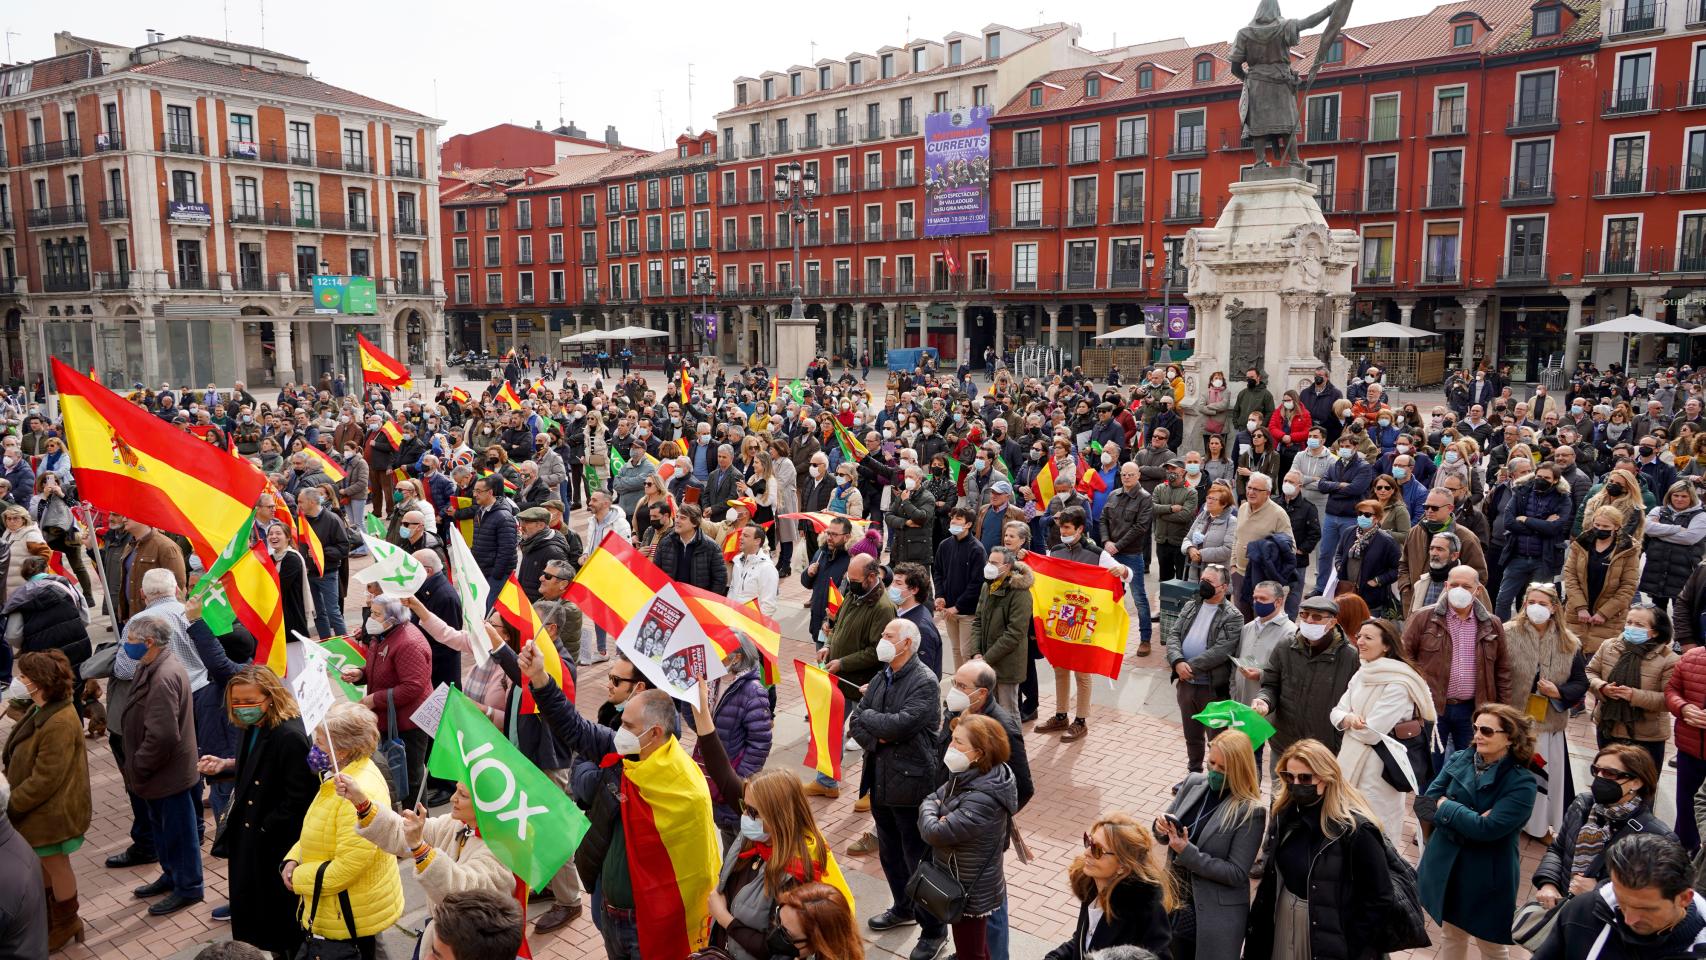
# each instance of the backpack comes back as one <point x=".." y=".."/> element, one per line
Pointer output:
<point x="1405" y="926"/>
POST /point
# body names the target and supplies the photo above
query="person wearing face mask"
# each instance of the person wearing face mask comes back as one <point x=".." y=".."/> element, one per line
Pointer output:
<point x="1386" y="698"/>
<point x="47" y="773"/>
<point x="1601" y="573"/>
<point x="1318" y="398"/>
<point x="957" y="577"/>
<point x="1618" y="803"/>
<point x="330" y="859"/>
<point x="1253" y="402"/>
<point x="966" y="823"/>
<point x="1647" y="909"/>
<point x="1458" y="646"/>
<point x="1213" y="832"/>
<point x="398" y="676"/>
<point x="1346" y="483"/>
<point x="1625" y="489"/>
<point x="1628" y="677"/>
<point x="1366" y="561"/>
<point x="1477" y="805"/>
<point x="910" y="593"/>
<point x="1001" y="632"/>
<point x="1674" y="542"/>
<point x="1199" y="656"/>
<point x="911" y="519"/>
<point x="631" y="764"/>
<point x="1327" y="888"/>
<point x="1305" y="676"/>
<point x="271" y="767"/>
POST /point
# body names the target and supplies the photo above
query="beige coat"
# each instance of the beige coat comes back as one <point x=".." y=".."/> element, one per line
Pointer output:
<point x="460" y="859"/>
<point x="1621" y="578"/>
<point x="1253" y="525"/>
<point x="1656" y="669"/>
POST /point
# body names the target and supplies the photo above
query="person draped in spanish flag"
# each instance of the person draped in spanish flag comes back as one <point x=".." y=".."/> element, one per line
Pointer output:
<point x="652" y="856"/>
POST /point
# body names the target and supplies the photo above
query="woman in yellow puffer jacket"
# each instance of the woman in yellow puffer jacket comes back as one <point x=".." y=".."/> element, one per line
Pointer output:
<point x="354" y="867"/>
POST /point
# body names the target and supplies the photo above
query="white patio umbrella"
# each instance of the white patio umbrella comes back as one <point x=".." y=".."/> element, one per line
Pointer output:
<point x="585" y="336"/>
<point x="633" y="333"/>
<point x="1137" y="332"/>
<point x="1386" y="330"/>
<point x="1634" y="323"/>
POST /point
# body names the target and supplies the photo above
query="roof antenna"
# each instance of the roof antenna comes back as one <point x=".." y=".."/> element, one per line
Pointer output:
<point x="663" y="131"/>
<point x="814" y="52"/>
<point x="691" y="126"/>
<point x="226" y="7"/>
<point x="263" y="22"/>
<point x="560" y="100"/>
<point x="9" y="35"/>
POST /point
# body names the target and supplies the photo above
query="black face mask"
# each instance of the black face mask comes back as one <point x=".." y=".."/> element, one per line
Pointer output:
<point x="1606" y="792"/>
<point x="779" y="944"/>
<point x="1320" y="380"/>
<point x="1305" y="794"/>
<point x="1206" y="590"/>
<point x="1599" y="534"/>
<point x="1252" y="382"/>
<point x="1615" y="489"/>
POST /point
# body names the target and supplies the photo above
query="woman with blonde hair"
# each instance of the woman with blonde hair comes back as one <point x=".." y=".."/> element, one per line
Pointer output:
<point x="1622" y="490"/>
<point x="1675" y="540"/>
<point x="1124" y="891"/>
<point x="1213" y="831"/>
<point x="597" y="452"/>
<point x="1601" y="571"/>
<point x="1326" y="886"/>
<point x="1386" y="700"/>
<point x="1548" y="675"/>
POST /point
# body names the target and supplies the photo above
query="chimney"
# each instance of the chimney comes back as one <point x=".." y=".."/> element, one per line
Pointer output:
<point x="573" y="130"/>
<point x="610" y="137"/>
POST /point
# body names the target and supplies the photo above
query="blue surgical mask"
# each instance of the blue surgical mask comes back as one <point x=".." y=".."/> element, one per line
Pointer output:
<point x="1635" y="636"/>
<point x="1262" y="609"/>
<point x="1314" y="442"/>
<point x="1451" y="456"/>
<point x="133" y="650"/>
<point x="1398" y="473"/>
<point x="752" y="829"/>
<point x="1363" y="523"/>
<point x="894" y="595"/>
<point x="1193" y="468"/>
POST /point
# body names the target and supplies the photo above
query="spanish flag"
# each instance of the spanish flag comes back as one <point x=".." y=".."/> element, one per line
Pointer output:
<point x="512" y="604"/>
<point x="466" y="526"/>
<point x="389" y="428"/>
<point x="826" y="718"/>
<point x="1047" y="484"/>
<point x="775" y="389"/>
<point x="459" y="395"/>
<point x="1090" y="482"/>
<point x="377" y="366"/>
<point x="851" y="448"/>
<point x="819" y="520"/>
<point x="126" y="459"/>
<point x="506" y="393"/>
<point x="731" y="546"/>
<point x="686" y="387"/>
<point x="306" y="536"/>
<point x="832" y="604"/>
<point x="674" y="854"/>
<point x="253" y="591"/>
<point x="324" y="462"/>
<point x="1080" y="616"/>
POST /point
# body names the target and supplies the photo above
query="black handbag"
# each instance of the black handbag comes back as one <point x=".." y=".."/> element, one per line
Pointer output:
<point x="935" y="890"/>
<point x="1416" y="749"/>
<point x="320" y="948"/>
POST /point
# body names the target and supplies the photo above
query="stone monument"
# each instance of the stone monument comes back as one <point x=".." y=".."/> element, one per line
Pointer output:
<point x="1270" y="282"/>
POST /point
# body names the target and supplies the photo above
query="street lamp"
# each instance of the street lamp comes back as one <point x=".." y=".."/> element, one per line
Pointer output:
<point x="704" y="280"/>
<point x="796" y="189"/>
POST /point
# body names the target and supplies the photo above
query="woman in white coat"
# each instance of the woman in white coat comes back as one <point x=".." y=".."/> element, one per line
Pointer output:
<point x="1383" y="693"/>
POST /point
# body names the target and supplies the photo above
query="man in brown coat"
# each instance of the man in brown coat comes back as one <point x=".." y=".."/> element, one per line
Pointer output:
<point x="160" y="762"/>
<point x="149" y="550"/>
<point x="1436" y="516"/>
<point x="1430" y="638"/>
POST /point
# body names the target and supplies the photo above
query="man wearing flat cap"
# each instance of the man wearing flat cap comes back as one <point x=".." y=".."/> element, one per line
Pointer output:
<point x="1305" y="677"/>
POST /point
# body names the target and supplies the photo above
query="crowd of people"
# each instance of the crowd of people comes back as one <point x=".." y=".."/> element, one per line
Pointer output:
<point x="1420" y="599"/>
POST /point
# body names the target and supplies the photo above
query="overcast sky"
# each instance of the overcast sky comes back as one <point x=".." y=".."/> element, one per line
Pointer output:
<point x="474" y="65"/>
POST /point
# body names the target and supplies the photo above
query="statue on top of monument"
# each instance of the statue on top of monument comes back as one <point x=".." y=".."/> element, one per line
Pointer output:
<point x="1261" y="58"/>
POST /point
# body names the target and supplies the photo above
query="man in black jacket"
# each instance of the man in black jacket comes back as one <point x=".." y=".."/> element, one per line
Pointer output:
<point x="958" y="579"/>
<point x="1305" y="533"/>
<point x="539" y="546"/>
<point x="494" y="531"/>
<point x="689" y="556"/>
<point x="1647" y="911"/>
<point x="326" y="585"/>
<point x="817" y="484"/>
<point x="1318" y="398"/>
<point x="827" y="567"/>
<point x="896" y="722"/>
<point x="720" y="484"/>
<point x="381" y="457"/>
<point x="1128" y="518"/>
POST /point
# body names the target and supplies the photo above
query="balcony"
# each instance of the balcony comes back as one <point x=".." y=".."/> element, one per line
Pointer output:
<point x="189" y="278"/>
<point x="1630" y="101"/>
<point x="1522" y="191"/>
<point x="588" y="217"/>
<point x="301" y="156"/>
<point x="1450" y="121"/>
<point x="752" y="149"/>
<point x="631" y="204"/>
<point x="678" y="243"/>
<point x="1524" y="270"/>
<point x="60" y="216"/>
<point x="755" y="193"/>
<point x="1186" y="209"/>
<point x="107" y="142"/>
<point x="701" y="196"/>
<point x="1232" y="138"/>
<point x="1339" y="202"/>
<point x="113" y="210"/>
<point x="1383" y="129"/>
<point x="172" y="142"/>
<point x="727" y="153"/>
<point x="589" y="256"/>
<point x="810" y="140"/>
<point x="406" y="168"/>
<point x="6" y="221"/>
<point x="841" y="136"/>
<point x="1686" y="179"/>
<point x="1026" y="218"/>
<point x="1532" y="116"/>
<point x="842" y="234"/>
<point x="1136" y="145"/>
<point x="677" y="198"/>
<point x="50" y="151"/>
<point x="1440" y="196"/>
<point x="906" y="178"/>
<point x="459" y="263"/>
<point x="876" y="180"/>
<point x="654" y="244"/>
<point x="115" y="280"/>
<point x="906" y="231"/>
<point x="1128" y="279"/>
<point x="1632" y="182"/>
<point x="1375" y="275"/>
<point x="354" y="222"/>
<point x="408" y="227"/>
<point x="592" y="294"/>
<point x="493" y="262"/>
<point x="1081" y="215"/>
<point x="906" y="126"/>
<point x="1380" y="197"/>
<point x="1636" y="17"/>
<point x="632" y="246"/>
<point x="1619" y="262"/>
<point x="1191" y="143"/>
<point x="702" y="241"/>
<point x="524" y="259"/>
<point x="558" y="295"/>
<point x="1128" y="210"/>
<point x="1084" y="153"/>
<point x="357" y="163"/>
<point x="653" y="202"/>
<point x="405" y="286"/>
<point x="841" y="185"/>
<point x="251" y="282"/>
<point x="1323" y="130"/>
<point x="1440" y="274"/>
<point x="869" y="132"/>
<point x="753" y="241"/>
<point x="728" y="242"/>
<point x="65" y="283"/>
<point x="1024" y="157"/>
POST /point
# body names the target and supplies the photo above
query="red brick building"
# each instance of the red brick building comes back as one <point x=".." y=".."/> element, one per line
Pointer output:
<point x="512" y="145"/>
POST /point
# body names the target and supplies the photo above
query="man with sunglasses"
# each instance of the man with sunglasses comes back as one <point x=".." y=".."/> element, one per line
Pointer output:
<point x="1437" y="517"/>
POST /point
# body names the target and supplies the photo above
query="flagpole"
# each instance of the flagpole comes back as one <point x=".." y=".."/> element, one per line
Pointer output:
<point x="100" y="565"/>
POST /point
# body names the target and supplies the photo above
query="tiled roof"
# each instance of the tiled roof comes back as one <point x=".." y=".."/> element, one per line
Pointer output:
<point x="583" y="170"/>
<point x="1586" y="27"/>
<point x="661" y="162"/>
<point x="288" y="86"/>
<point x="1431" y="35"/>
<point x="61" y="70"/>
<point x="1067" y="88"/>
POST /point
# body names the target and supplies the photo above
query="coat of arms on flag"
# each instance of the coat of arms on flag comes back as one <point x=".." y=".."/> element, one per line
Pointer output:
<point x="1072" y="618"/>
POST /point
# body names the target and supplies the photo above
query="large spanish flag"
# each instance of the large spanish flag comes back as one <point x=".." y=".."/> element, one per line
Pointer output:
<point x="826" y="718"/>
<point x="254" y="593"/>
<point x="506" y="393"/>
<point x="377" y="366"/>
<point x="851" y="448"/>
<point x="512" y="604"/>
<point x="674" y="855"/>
<point x="324" y="462"/>
<point x="686" y="387"/>
<point x="128" y="460"/>
<point x="819" y="520"/>
<point x="1047" y="484"/>
<point x="1080" y="615"/>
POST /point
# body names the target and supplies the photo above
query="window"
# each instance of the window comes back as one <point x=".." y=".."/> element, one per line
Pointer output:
<point x="464" y="293"/>
<point x="1125" y="262"/>
<point x="956" y="53"/>
<point x="491" y="218"/>
<point x="180" y="128"/>
<point x="1622" y="240"/>
<point x="1192" y="133"/>
<point x="1128" y="197"/>
<point x="886" y="66"/>
<point x="74" y="190"/>
<point x="307" y="264"/>
<point x="494" y="251"/>
<point x="1381" y="184"/>
<point x="1335" y="52"/>
<point x="873" y="120"/>
<point x="1634" y="79"/>
<point x="1462" y="35"/>
<point x="523" y="249"/>
<point x="1692" y="256"/>
<point x="616" y="280"/>
<point x="794" y="84"/>
<point x="1204" y="70"/>
<point x="939" y="102"/>
<point x="184" y="187"/>
<point x="1445" y="178"/>
<point x="1696" y="157"/>
<point x="1628" y="165"/>
<point x="1027" y="204"/>
<point x="1086" y="144"/>
<point x="1036" y="96"/>
<point x="246" y="197"/>
<point x="781" y="143"/>
<point x="1092" y="85"/>
<point x="558" y="291"/>
<point x="355" y="150"/>
<point x="740" y="94"/>
<point x="991" y="46"/>
<point x="554" y="211"/>
<point x="459" y="252"/>
<point x="1324" y="174"/>
<point x="1081" y="263"/>
<point x="1383" y="119"/>
<point x="189" y="264"/>
<point x="524" y="291"/>
<point x="1535" y="95"/>
<point x="1439" y="264"/>
<point x="769" y="88"/>
<point x="1187" y="194"/>
<point x="1133" y="137"/>
<point x="906" y="109"/>
<point x="459" y="221"/>
<point x="523" y="214"/>
<point x="360" y="262"/>
<point x="1145" y="78"/>
<point x="1531" y="169"/>
<point x="1377" y="254"/>
<point x="494" y="288"/>
<point x="1546" y="21"/>
<point x="1024" y="266"/>
<point x="903" y="219"/>
<point x="301" y="142"/>
<point x="243" y="135"/>
<point x="980" y="95"/>
<point x="403" y="155"/>
<point x="1083" y="201"/>
<point x="1322" y="122"/>
<point x="856" y="71"/>
<point x="1527" y="250"/>
<point x="1450" y="111"/>
<point x="919" y="59"/>
<point x="825" y="76"/>
<point x="356" y="207"/>
<point x="842" y="133"/>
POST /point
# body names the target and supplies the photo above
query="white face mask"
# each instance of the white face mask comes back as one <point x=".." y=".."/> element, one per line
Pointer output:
<point x="885" y="650"/>
<point x="17" y="691"/>
<point x="374" y="626"/>
<point x="955" y="761"/>
<point x="958" y="701"/>
<point x="1290" y="489"/>
<point x="627" y="743"/>
<point x="1459" y="598"/>
<point x="1538" y="613"/>
<point x="957" y="529"/>
<point x="1314" y="631"/>
<point x="732" y="515"/>
<point x="815" y="471"/>
<point x="991" y="571"/>
<point x="911" y="484"/>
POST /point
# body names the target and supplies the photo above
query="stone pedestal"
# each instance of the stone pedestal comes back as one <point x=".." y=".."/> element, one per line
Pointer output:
<point x="1268" y="282"/>
<point x="796" y="346"/>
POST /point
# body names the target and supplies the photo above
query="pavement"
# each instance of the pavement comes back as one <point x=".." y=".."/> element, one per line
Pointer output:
<point x="1133" y="755"/>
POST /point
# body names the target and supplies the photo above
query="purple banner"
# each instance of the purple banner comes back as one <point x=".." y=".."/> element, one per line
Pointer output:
<point x="956" y="172"/>
<point x="708" y="323"/>
<point x="1178" y="322"/>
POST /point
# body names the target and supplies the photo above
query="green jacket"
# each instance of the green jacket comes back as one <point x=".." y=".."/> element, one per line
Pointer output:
<point x="1253" y="399"/>
<point x="1003" y="625"/>
<point x="858" y="627"/>
<point x="1171" y="528"/>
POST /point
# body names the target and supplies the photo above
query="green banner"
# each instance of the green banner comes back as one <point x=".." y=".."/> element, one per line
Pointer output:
<point x="531" y="826"/>
<point x="216" y="609"/>
<point x="340" y="654"/>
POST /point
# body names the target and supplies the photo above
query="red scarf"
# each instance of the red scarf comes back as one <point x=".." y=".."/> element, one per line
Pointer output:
<point x="763" y="851"/>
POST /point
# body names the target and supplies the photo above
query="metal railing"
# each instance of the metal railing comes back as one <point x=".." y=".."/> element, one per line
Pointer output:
<point x="1624" y="183"/>
<point x="1026" y="218"/>
<point x="1439" y="273"/>
<point x="1020" y="157"/>
<point x="109" y="141"/>
<point x="406" y="168"/>
<point x="1629" y="100"/>
<point x="65" y="283"/>
<point x="1380" y="197"/>
<point x="1453" y="121"/>
<point x="408" y="227"/>
<point x="113" y="210"/>
<point x="1191" y="144"/>
<point x="50" y="150"/>
<point x="1531" y="189"/>
<point x="1440" y="196"/>
<point x="1128" y="210"/>
<point x="1134" y="145"/>
<point x="58" y="216"/>
<point x="1532" y="115"/>
<point x="1185" y="209"/>
<point x="1613" y="262"/>
<point x="589" y="256"/>
<point x="1525" y="269"/>
<point x="1084" y="152"/>
<point x="171" y="142"/>
<point x="1636" y="16"/>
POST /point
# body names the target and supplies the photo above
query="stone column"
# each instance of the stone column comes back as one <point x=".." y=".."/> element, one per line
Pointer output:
<point x="923" y="323"/>
<point x="1471" y="305"/>
<point x="1653" y="308"/>
<point x="742" y="337"/>
<point x="1101" y="317"/>
<point x="1053" y="326"/>
<point x="1576" y="296"/>
<point x="1405" y="309"/>
<point x="1000" y="330"/>
<point x="150" y="348"/>
<point x="890" y="312"/>
<point x="1337" y="365"/>
<point x="960" y="332"/>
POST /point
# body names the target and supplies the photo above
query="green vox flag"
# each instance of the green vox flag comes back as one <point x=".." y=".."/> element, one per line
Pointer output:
<point x="1223" y="714"/>
<point x="374" y="525"/>
<point x="340" y="654"/>
<point x="216" y="609"/>
<point x="592" y="477"/>
<point x="529" y="823"/>
<point x="617" y="461"/>
<point x="797" y="390"/>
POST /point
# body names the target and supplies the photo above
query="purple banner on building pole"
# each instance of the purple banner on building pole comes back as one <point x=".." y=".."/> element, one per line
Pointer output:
<point x="708" y="323"/>
<point x="956" y="172"/>
<point x="1178" y="322"/>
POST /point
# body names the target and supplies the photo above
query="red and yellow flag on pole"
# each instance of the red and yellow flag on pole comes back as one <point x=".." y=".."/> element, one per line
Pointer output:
<point x="324" y="462"/>
<point x="379" y="367"/>
<point x="459" y="395"/>
<point x="820" y="520"/>
<point x="310" y="540"/>
<point x="826" y="716"/>
<point x="1047" y="484"/>
<point x="1080" y="616"/>
<point x="466" y="526"/>
<point x="832" y="603"/>
<point x="1090" y="482"/>
<point x="512" y="604"/>
<point x="674" y="856"/>
<point x="506" y="393"/>
<point x="127" y="460"/>
<point x="686" y="387"/>
<point x="850" y="445"/>
<point x="252" y="589"/>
